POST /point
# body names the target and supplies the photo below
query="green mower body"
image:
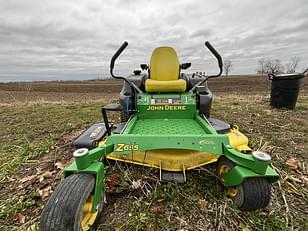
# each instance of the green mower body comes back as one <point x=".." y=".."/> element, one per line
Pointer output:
<point x="170" y="127"/>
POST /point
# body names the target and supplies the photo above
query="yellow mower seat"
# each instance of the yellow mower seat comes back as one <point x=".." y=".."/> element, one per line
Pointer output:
<point x="164" y="72"/>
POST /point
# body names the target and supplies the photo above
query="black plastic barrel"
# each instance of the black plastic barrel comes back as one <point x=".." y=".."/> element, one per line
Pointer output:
<point x="285" y="89"/>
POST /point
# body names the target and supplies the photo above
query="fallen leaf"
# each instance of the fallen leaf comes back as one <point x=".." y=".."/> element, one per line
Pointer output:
<point x="202" y="203"/>
<point x="117" y="229"/>
<point x="21" y="218"/>
<point x="158" y="208"/>
<point x="45" y="192"/>
<point x="136" y="184"/>
<point x="59" y="166"/>
<point x="112" y="183"/>
<point x="27" y="178"/>
<point x="292" y="163"/>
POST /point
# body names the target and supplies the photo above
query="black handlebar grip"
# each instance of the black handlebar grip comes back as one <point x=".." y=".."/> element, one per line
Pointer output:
<point x="116" y="55"/>
<point x="214" y="52"/>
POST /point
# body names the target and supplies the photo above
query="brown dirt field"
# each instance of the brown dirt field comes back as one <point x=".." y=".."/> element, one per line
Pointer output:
<point x="85" y="91"/>
<point x="58" y="92"/>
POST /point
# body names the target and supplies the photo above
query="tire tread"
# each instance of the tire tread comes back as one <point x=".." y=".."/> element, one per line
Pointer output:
<point x="64" y="206"/>
<point x="257" y="193"/>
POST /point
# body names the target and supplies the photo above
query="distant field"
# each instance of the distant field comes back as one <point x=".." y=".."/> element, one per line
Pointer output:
<point x="58" y="92"/>
<point x="84" y="91"/>
<point x="39" y="121"/>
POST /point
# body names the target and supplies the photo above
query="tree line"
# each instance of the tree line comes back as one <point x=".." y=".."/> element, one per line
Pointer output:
<point x="274" y="66"/>
<point x="268" y="66"/>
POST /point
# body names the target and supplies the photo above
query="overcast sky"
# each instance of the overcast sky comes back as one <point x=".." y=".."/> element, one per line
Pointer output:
<point x="75" y="39"/>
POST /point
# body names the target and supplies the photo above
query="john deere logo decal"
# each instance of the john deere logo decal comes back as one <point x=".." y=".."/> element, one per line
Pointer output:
<point x="166" y="108"/>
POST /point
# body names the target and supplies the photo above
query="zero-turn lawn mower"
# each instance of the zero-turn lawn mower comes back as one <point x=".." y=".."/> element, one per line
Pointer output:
<point x="165" y="124"/>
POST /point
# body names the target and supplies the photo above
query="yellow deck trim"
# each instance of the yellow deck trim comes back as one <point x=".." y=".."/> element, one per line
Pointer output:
<point x="167" y="159"/>
<point x="174" y="159"/>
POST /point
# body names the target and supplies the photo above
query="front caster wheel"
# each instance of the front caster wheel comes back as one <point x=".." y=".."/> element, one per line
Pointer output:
<point x="70" y="206"/>
<point x="254" y="193"/>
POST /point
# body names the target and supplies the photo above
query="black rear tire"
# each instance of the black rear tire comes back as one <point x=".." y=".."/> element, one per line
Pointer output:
<point x="63" y="210"/>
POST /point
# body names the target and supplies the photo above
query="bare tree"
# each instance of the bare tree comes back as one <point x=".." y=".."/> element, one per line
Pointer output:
<point x="261" y="69"/>
<point x="274" y="66"/>
<point x="227" y="66"/>
<point x="267" y="66"/>
<point x="293" y="63"/>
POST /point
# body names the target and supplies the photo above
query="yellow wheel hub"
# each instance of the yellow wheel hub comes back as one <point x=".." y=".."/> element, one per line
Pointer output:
<point x="224" y="169"/>
<point x="231" y="191"/>
<point x="88" y="217"/>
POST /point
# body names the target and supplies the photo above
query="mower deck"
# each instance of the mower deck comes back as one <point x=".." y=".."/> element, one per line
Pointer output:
<point x="172" y="159"/>
<point x="166" y="159"/>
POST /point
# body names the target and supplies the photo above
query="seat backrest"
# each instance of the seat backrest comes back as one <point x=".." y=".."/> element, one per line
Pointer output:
<point x="164" y="64"/>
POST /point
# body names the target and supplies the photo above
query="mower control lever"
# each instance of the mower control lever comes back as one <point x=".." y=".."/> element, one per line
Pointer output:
<point x="219" y="60"/>
<point x="218" y="57"/>
<point x="116" y="55"/>
<point x="113" y="59"/>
